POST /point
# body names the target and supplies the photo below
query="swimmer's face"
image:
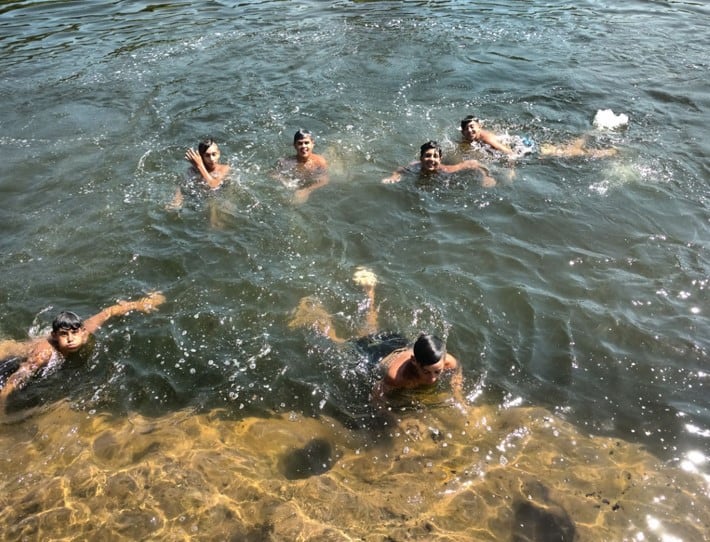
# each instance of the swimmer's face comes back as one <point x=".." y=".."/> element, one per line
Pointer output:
<point x="429" y="374"/>
<point x="211" y="156"/>
<point x="472" y="131"/>
<point x="304" y="147"/>
<point x="70" y="339"/>
<point x="431" y="160"/>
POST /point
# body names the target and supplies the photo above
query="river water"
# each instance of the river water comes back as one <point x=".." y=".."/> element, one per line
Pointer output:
<point x="575" y="293"/>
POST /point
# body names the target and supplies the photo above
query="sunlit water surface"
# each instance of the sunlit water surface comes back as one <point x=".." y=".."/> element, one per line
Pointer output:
<point x="574" y="293"/>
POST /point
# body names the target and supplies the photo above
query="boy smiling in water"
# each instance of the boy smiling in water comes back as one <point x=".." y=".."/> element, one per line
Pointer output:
<point x="472" y="131"/>
<point x="306" y="171"/>
<point x="429" y="163"/>
<point x="69" y="334"/>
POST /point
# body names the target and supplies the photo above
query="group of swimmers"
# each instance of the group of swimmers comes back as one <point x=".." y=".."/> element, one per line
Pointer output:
<point x="420" y="363"/>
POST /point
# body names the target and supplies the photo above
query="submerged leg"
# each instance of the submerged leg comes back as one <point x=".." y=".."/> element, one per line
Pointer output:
<point x="577" y="147"/>
<point x="310" y="313"/>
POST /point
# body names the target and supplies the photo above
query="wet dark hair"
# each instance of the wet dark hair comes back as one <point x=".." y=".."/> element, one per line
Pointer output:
<point x="428" y="349"/>
<point x="430" y="145"/>
<point x="468" y="120"/>
<point x="205" y="144"/>
<point x="67" y="320"/>
<point x="302" y="134"/>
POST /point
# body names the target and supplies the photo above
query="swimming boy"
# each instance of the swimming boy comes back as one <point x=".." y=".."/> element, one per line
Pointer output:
<point x="306" y="171"/>
<point x="514" y="147"/>
<point x="419" y="365"/>
<point x="472" y="130"/>
<point x="205" y="170"/>
<point x="404" y="366"/>
<point x="429" y="163"/>
<point x="69" y="334"/>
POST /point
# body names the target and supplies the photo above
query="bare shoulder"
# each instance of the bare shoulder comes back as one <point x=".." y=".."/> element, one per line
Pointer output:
<point x="488" y="137"/>
<point x="319" y="161"/>
<point x="40" y="352"/>
<point x="450" y="362"/>
<point x="393" y="362"/>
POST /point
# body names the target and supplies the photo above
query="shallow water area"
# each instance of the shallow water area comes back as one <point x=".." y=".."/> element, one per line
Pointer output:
<point x="495" y="474"/>
<point x="574" y="293"/>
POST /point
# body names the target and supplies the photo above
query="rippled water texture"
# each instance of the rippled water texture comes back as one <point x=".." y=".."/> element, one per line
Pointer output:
<point x="574" y="292"/>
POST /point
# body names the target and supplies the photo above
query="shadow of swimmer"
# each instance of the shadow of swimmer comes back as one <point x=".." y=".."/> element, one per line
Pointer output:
<point x="313" y="459"/>
<point x="533" y="523"/>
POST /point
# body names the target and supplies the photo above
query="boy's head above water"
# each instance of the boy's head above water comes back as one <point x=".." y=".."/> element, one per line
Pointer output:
<point x="68" y="332"/>
<point x="429" y="353"/>
<point x="470" y="127"/>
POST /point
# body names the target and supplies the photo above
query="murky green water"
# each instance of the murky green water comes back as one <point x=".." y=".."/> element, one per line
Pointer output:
<point x="575" y="294"/>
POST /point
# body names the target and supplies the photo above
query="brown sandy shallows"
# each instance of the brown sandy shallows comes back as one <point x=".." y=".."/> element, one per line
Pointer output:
<point x="517" y="474"/>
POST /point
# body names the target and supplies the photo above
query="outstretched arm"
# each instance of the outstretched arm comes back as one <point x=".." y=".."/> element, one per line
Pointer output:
<point x="378" y="395"/>
<point x="492" y="140"/>
<point x="487" y="181"/>
<point x="397" y="173"/>
<point x="145" y="304"/>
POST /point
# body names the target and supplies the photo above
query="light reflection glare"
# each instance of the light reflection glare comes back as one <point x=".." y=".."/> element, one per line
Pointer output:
<point x="655" y="525"/>
<point x="695" y="430"/>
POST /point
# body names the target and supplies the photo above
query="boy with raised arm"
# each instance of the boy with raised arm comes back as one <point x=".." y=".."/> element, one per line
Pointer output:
<point x="205" y="170"/>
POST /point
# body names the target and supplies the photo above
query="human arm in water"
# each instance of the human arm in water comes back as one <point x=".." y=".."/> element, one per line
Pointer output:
<point x="396" y="175"/>
<point x="456" y="382"/>
<point x="492" y="140"/>
<point x="40" y="352"/>
<point x="302" y="177"/>
<point x="212" y="178"/>
<point x="145" y="304"/>
<point x="487" y="181"/>
<point x="317" y="178"/>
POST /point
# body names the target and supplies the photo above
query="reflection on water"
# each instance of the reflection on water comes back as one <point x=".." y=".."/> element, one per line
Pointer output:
<point x="517" y="474"/>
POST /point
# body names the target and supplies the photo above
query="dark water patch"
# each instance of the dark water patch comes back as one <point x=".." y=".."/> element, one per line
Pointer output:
<point x="315" y="458"/>
<point x="533" y="523"/>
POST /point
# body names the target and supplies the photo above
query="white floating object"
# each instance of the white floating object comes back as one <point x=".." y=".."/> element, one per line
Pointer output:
<point x="605" y="118"/>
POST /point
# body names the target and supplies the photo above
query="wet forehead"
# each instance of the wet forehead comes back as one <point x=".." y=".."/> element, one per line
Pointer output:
<point x="434" y="368"/>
